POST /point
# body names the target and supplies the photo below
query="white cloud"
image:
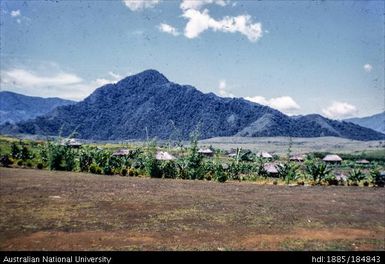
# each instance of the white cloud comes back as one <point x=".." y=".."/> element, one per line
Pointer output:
<point x="368" y="67"/>
<point x="197" y="4"/>
<point x="136" y="5"/>
<point x="15" y="13"/>
<point x="21" y="77"/>
<point x="201" y="21"/>
<point x="114" y="75"/>
<point x="168" y="29"/>
<point x="283" y="103"/>
<point x="340" y="110"/>
<point x="222" y="89"/>
<point x="57" y="84"/>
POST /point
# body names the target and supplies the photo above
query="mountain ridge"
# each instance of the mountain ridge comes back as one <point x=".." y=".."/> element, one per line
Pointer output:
<point x="148" y="104"/>
<point x="15" y="107"/>
<point x="375" y="122"/>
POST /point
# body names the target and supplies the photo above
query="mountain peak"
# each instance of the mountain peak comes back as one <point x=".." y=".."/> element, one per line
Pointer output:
<point x="148" y="76"/>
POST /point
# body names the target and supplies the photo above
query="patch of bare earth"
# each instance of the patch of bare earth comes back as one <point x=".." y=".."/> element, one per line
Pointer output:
<point x="44" y="210"/>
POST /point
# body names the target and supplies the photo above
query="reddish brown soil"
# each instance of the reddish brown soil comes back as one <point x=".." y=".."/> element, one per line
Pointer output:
<point x="44" y="210"/>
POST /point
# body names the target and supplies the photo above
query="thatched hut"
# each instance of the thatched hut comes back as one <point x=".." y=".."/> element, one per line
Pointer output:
<point x="206" y="152"/>
<point x="332" y="159"/>
<point x="271" y="169"/>
<point x="265" y="155"/>
<point x="121" y="152"/>
<point x="163" y="155"/>
<point x="73" y="143"/>
<point x="297" y="158"/>
<point x="363" y="162"/>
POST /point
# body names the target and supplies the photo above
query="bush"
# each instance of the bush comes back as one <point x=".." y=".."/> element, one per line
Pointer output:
<point x="15" y="151"/>
<point x="39" y="166"/>
<point x="107" y="170"/>
<point x="151" y="164"/>
<point x="318" y="171"/>
<point x="331" y="180"/>
<point x="355" y="176"/>
<point x="123" y="172"/>
<point x="195" y="169"/>
<point x="378" y="179"/>
<point x="95" y="169"/>
<point x="5" y="161"/>
<point x="288" y="171"/>
<point x="19" y="163"/>
<point x="219" y="174"/>
<point x="25" y="153"/>
<point x="29" y="163"/>
<point x="85" y="160"/>
<point x="168" y="169"/>
<point x="59" y="157"/>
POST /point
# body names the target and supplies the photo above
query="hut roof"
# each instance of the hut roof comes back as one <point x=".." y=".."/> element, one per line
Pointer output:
<point x="71" y="142"/>
<point x="265" y="155"/>
<point x="270" y="168"/>
<point x="205" y="151"/>
<point x="297" y="158"/>
<point x="121" y="152"/>
<point x="332" y="158"/>
<point x="363" y="161"/>
<point x="163" y="155"/>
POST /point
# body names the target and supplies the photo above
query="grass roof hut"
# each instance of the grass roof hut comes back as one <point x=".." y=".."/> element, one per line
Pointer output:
<point x="265" y="155"/>
<point x="271" y="169"/>
<point x="121" y="152"/>
<point x="206" y="152"/>
<point x="163" y="155"/>
<point x="332" y="159"/>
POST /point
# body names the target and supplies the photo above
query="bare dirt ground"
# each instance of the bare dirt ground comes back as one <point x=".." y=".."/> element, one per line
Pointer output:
<point x="42" y="210"/>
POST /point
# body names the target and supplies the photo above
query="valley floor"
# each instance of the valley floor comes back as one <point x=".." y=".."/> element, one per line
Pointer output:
<point x="43" y="210"/>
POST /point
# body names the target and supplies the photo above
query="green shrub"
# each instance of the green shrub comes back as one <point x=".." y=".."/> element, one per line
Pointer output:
<point x="331" y="180"/>
<point x="85" y="160"/>
<point x="19" y="163"/>
<point x="318" y="171"/>
<point x="107" y="170"/>
<point x="25" y="153"/>
<point x="355" y="176"/>
<point x="131" y="172"/>
<point x="123" y="172"/>
<point x="39" y="166"/>
<point x="288" y="171"/>
<point x="60" y="157"/>
<point x="377" y="178"/>
<point x="95" y="169"/>
<point x="29" y="164"/>
<point x="151" y="165"/>
<point x="5" y="161"/>
<point x="168" y="169"/>
<point x="15" y="151"/>
<point x="195" y="169"/>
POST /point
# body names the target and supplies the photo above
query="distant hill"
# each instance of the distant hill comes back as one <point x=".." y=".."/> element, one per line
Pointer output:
<point x="148" y="104"/>
<point x="375" y="122"/>
<point x="16" y="107"/>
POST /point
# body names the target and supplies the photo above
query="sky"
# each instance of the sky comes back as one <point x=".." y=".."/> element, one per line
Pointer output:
<point x="300" y="57"/>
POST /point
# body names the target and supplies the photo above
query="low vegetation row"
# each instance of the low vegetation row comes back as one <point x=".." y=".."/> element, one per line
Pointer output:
<point x="191" y="164"/>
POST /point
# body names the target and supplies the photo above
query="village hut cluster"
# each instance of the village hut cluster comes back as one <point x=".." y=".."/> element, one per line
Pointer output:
<point x="271" y="161"/>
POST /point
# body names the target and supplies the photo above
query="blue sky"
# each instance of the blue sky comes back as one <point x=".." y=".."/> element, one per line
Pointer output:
<point x="300" y="57"/>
